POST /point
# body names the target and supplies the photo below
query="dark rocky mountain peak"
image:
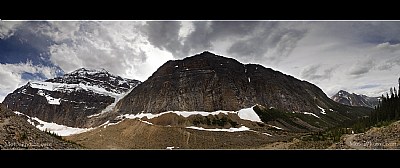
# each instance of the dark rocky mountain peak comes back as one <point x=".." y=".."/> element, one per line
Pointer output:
<point x="71" y="99"/>
<point x="101" y="78"/>
<point x="353" y="99"/>
<point x="209" y="82"/>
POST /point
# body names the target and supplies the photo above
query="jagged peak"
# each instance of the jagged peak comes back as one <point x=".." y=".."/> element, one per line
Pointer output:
<point x="343" y="92"/>
<point x="83" y="70"/>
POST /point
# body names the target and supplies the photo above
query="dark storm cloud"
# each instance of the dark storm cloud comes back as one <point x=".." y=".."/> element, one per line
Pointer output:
<point x="208" y="32"/>
<point x="252" y="38"/>
<point x="164" y="35"/>
<point x="199" y="39"/>
<point x="311" y="73"/>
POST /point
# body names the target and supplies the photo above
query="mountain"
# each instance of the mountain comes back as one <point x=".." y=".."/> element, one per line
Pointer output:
<point x="207" y="82"/>
<point x="17" y="133"/>
<point x="210" y="101"/>
<point x="353" y="99"/>
<point x="76" y="99"/>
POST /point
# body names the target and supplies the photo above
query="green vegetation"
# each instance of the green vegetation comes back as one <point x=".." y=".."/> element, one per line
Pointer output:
<point x="61" y="138"/>
<point x="211" y="120"/>
<point x="53" y="134"/>
<point x="24" y="136"/>
<point x="271" y="114"/>
<point x="332" y="134"/>
<point x="385" y="113"/>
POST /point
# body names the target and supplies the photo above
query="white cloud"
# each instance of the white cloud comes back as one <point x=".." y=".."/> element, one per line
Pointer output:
<point x="388" y="46"/>
<point x="332" y="55"/>
<point x="362" y="67"/>
<point x="10" y="75"/>
<point x="116" y="46"/>
<point x="7" y="28"/>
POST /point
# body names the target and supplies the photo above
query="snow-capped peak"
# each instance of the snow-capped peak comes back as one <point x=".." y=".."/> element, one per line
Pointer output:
<point x="99" y="78"/>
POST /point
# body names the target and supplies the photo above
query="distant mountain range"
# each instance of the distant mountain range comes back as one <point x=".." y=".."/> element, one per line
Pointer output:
<point x="353" y="99"/>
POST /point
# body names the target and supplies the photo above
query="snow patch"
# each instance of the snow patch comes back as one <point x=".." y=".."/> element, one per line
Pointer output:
<point x="61" y="130"/>
<point x="248" y="78"/>
<point x="107" y="123"/>
<point x="276" y="127"/>
<point x="266" y="134"/>
<point x="181" y="113"/>
<point x="242" y="128"/>
<point x="147" y="122"/>
<point x="171" y="147"/>
<point x="308" y="113"/>
<point x="245" y="114"/>
<point x="71" y="87"/>
<point x="330" y="110"/>
<point x="40" y="93"/>
<point x="52" y="100"/>
<point x="249" y="114"/>
<point x="322" y="110"/>
<point x="18" y="113"/>
<point x="58" y="129"/>
<point x="112" y="105"/>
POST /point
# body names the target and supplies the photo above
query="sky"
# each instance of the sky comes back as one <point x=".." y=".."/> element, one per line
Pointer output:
<point x="361" y="57"/>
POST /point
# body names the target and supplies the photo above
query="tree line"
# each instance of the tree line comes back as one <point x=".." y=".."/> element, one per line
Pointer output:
<point x="386" y="112"/>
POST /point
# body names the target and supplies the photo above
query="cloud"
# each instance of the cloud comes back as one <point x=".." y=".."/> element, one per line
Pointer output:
<point x="329" y="52"/>
<point x="245" y="40"/>
<point x="7" y="28"/>
<point x="11" y="75"/>
<point x="368" y="86"/>
<point x="388" y="54"/>
<point x="164" y="35"/>
<point x="361" y="67"/>
<point x="389" y="64"/>
<point x="119" y="47"/>
<point x="311" y="73"/>
<point x="386" y="46"/>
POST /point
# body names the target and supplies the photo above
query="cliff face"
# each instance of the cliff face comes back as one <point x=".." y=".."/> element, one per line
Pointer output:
<point x="70" y="99"/>
<point x="207" y="82"/>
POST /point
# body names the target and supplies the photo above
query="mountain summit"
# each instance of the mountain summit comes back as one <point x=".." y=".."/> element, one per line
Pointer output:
<point x="353" y="99"/>
<point x="71" y="99"/>
<point x="209" y="82"/>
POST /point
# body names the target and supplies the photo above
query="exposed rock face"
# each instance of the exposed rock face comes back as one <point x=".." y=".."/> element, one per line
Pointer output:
<point x="207" y="82"/>
<point x="353" y="99"/>
<point x="70" y="99"/>
<point x="17" y="133"/>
